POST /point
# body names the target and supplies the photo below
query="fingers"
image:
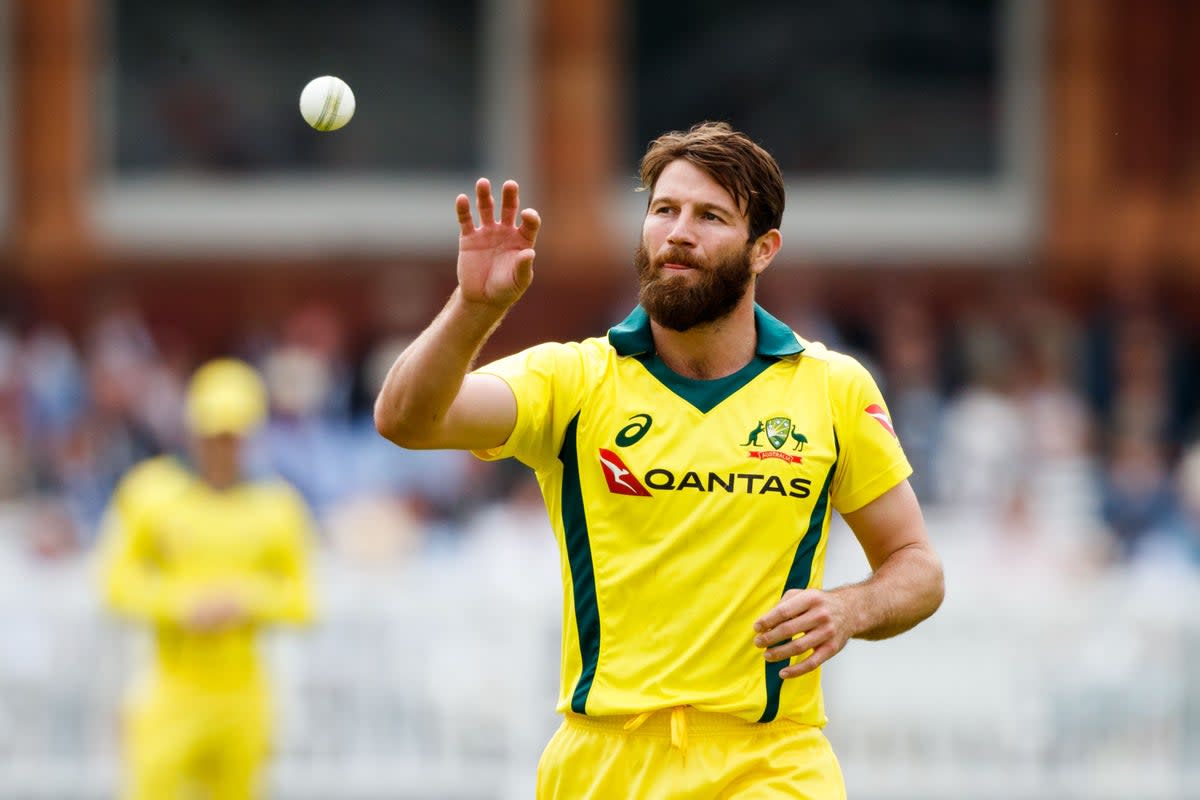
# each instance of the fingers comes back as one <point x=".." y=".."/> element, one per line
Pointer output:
<point x="510" y="200"/>
<point x="531" y="223"/>
<point x="509" y="203"/>
<point x="484" y="201"/>
<point x="808" y="622"/>
<point x="462" y="207"/>
<point x="812" y="637"/>
<point x="524" y="273"/>
<point x="794" y="603"/>
<point x="802" y="625"/>
<point x="819" y="656"/>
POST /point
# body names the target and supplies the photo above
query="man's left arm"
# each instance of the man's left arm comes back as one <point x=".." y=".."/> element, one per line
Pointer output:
<point x="284" y="593"/>
<point x="905" y="587"/>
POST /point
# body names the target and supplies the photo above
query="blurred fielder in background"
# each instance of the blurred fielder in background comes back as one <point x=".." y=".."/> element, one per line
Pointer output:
<point x="206" y="558"/>
<point x="690" y="461"/>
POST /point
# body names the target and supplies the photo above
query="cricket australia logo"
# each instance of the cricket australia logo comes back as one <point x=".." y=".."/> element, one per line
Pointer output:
<point x="779" y="431"/>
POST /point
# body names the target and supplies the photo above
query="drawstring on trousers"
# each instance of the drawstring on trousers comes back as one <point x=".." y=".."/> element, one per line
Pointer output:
<point x="679" y="738"/>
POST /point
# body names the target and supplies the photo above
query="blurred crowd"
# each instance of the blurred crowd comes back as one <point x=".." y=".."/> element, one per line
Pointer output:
<point x="1044" y="437"/>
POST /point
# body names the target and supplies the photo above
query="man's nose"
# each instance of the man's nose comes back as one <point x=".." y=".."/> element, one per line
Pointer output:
<point x="681" y="232"/>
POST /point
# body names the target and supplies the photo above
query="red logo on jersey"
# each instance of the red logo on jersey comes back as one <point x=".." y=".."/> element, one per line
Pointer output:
<point x="881" y="416"/>
<point x="620" y="479"/>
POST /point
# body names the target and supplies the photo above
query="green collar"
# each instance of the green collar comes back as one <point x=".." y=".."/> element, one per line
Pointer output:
<point x="632" y="337"/>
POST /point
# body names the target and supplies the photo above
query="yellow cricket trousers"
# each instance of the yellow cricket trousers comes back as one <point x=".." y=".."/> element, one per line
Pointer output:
<point x="684" y="754"/>
<point x="179" y="739"/>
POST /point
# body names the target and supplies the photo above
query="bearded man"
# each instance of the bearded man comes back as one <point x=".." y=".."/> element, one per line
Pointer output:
<point x="693" y="540"/>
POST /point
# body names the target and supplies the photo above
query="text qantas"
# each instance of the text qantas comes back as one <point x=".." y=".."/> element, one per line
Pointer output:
<point x="729" y="482"/>
<point x="621" y="480"/>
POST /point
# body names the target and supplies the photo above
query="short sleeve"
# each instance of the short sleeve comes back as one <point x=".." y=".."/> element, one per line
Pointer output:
<point x="548" y="383"/>
<point x="871" y="460"/>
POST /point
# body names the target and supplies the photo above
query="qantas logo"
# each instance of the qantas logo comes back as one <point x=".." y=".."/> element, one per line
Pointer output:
<point x="881" y="416"/>
<point x="620" y="479"/>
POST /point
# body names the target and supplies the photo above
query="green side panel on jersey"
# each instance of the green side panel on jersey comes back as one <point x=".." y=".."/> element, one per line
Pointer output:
<point x="798" y="577"/>
<point x="579" y="556"/>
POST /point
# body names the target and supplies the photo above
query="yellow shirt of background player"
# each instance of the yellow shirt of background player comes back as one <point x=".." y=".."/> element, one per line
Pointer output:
<point x="169" y="539"/>
<point x="684" y="509"/>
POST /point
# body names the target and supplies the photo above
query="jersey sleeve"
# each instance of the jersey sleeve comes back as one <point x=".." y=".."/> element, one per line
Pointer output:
<point x="871" y="460"/>
<point x="132" y="582"/>
<point x="548" y="382"/>
<point x="283" y="591"/>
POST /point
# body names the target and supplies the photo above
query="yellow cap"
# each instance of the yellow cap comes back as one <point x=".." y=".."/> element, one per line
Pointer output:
<point x="225" y="396"/>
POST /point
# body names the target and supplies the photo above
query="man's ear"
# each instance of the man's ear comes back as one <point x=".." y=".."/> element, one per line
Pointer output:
<point x="763" y="251"/>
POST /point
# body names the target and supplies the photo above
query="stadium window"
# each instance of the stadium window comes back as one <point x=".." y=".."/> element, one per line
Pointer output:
<point x="202" y="147"/>
<point x="907" y="129"/>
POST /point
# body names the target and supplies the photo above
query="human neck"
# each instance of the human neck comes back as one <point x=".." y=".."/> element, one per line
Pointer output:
<point x="713" y="350"/>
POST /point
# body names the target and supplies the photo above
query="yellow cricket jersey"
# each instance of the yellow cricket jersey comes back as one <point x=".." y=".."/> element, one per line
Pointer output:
<point x="170" y="539"/>
<point x="684" y="509"/>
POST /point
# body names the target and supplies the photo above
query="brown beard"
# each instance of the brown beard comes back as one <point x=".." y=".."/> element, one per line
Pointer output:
<point x="679" y="304"/>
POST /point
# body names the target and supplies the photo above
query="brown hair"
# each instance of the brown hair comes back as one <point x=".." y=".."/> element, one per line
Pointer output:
<point x="741" y="167"/>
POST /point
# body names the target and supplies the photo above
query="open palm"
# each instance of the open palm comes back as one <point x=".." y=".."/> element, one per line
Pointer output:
<point x="495" y="259"/>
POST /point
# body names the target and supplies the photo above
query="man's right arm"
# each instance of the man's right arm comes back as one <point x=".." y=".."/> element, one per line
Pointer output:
<point x="132" y="582"/>
<point x="428" y="401"/>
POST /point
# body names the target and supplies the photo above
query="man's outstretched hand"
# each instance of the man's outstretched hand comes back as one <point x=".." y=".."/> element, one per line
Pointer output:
<point x="495" y="259"/>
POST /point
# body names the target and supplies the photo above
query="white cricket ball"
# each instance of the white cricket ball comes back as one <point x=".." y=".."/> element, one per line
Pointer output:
<point x="327" y="103"/>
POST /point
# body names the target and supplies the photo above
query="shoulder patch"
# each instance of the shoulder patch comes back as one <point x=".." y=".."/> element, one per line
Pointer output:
<point x="875" y="410"/>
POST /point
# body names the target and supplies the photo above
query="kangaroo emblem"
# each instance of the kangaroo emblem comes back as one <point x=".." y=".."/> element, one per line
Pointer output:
<point x="754" y="434"/>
